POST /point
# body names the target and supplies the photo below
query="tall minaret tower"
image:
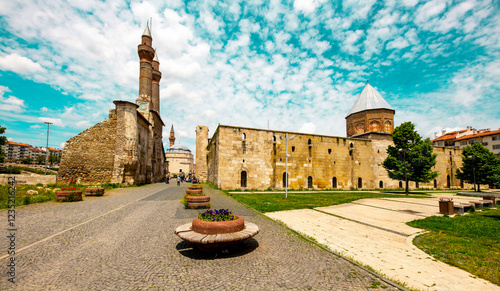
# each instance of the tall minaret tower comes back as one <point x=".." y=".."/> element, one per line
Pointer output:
<point x="146" y="56"/>
<point x="156" y="84"/>
<point x="172" y="136"/>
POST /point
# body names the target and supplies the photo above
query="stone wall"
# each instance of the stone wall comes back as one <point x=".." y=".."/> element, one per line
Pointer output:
<point x="314" y="161"/>
<point x="89" y="156"/>
<point x="28" y="179"/>
<point x="201" y="152"/>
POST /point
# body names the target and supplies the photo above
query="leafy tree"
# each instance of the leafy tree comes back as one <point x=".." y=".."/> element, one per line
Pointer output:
<point x="40" y="159"/>
<point x="411" y="158"/>
<point x="27" y="160"/>
<point x="53" y="159"/>
<point x="3" y="140"/>
<point x="479" y="166"/>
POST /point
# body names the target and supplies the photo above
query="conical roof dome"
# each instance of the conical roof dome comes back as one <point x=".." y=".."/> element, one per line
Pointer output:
<point x="369" y="99"/>
<point x="147" y="31"/>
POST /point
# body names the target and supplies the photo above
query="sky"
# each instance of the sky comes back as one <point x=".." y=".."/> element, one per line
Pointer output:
<point x="285" y="65"/>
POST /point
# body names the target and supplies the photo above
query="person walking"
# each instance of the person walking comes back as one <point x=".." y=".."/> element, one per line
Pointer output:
<point x="178" y="181"/>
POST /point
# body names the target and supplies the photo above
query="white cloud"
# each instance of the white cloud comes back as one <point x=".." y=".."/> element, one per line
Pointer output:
<point x="83" y="124"/>
<point x="430" y="10"/>
<point x="398" y="43"/>
<point x="35" y="126"/>
<point x="410" y="3"/>
<point x="306" y="6"/>
<point x="54" y="121"/>
<point x="19" y="64"/>
<point x="308" y="127"/>
<point x="10" y="103"/>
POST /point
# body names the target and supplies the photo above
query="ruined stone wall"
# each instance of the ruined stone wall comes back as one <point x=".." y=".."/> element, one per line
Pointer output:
<point x="244" y="150"/>
<point x="89" y="156"/>
<point x="201" y="152"/>
<point x="212" y="159"/>
<point x="158" y="161"/>
<point x="144" y="168"/>
<point x="126" y="161"/>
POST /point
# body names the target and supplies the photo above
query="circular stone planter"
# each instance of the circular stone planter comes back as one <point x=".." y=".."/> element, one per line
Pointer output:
<point x="193" y="191"/>
<point x="94" y="191"/>
<point x="194" y="202"/>
<point x="211" y="236"/>
<point x="66" y="195"/>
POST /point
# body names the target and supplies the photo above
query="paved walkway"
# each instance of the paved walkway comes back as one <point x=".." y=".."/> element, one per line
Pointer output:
<point x="125" y="241"/>
<point x="374" y="232"/>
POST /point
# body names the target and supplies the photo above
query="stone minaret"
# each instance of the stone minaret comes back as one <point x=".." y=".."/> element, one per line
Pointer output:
<point x="146" y="56"/>
<point x="172" y="136"/>
<point x="156" y="84"/>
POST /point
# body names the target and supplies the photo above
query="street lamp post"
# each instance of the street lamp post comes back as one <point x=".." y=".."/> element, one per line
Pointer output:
<point x="47" y="148"/>
<point x="286" y="139"/>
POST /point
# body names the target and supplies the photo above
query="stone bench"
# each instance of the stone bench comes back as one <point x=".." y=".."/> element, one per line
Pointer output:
<point x="488" y="203"/>
<point x="461" y="208"/>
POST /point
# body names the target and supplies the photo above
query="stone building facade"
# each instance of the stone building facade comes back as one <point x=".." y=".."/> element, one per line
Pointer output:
<point x="250" y="158"/>
<point x="180" y="160"/>
<point x="126" y="147"/>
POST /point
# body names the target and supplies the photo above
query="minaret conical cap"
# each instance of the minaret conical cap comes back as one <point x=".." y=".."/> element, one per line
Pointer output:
<point x="147" y="32"/>
<point x="369" y="99"/>
<point x="172" y="129"/>
<point x="156" y="58"/>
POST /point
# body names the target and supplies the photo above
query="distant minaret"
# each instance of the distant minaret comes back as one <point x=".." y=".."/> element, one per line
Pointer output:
<point x="172" y="136"/>
<point x="146" y="56"/>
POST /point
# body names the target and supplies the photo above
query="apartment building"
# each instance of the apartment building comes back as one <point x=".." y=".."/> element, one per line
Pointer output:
<point x="462" y="138"/>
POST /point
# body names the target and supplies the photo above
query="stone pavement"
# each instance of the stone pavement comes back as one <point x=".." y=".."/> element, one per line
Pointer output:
<point x="125" y="241"/>
<point x="374" y="232"/>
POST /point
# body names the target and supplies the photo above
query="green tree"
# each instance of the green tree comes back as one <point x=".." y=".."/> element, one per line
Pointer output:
<point x="40" y="159"/>
<point x="53" y="159"/>
<point x="3" y="140"/>
<point x="27" y="160"/>
<point x="479" y="166"/>
<point x="411" y="158"/>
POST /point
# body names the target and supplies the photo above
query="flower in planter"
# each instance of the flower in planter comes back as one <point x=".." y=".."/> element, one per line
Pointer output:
<point x="217" y="215"/>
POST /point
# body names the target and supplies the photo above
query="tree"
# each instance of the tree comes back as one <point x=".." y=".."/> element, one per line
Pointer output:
<point x="27" y="160"/>
<point x="411" y="158"/>
<point x="40" y="159"/>
<point x="3" y="140"/>
<point x="53" y="159"/>
<point x="479" y="166"/>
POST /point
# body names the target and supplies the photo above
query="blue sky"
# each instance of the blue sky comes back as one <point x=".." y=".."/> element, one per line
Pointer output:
<point x="295" y="65"/>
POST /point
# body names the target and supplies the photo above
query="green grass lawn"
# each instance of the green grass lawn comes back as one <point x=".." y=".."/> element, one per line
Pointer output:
<point x="470" y="242"/>
<point x="269" y="202"/>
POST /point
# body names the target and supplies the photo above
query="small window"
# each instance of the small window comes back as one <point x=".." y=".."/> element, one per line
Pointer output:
<point x="381" y="184"/>
<point x="309" y="182"/>
<point x="243" y="179"/>
<point x="360" y="183"/>
<point x="309" y="142"/>
<point x="334" y="182"/>
<point x="285" y="180"/>
<point x="400" y="184"/>
<point x="293" y="149"/>
<point x="329" y="151"/>
<point x="417" y="185"/>
<point x="274" y="138"/>
<point x="243" y="136"/>
<point x="435" y="183"/>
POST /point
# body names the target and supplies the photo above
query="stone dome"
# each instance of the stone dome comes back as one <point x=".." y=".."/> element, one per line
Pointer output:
<point x="178" y="149"/>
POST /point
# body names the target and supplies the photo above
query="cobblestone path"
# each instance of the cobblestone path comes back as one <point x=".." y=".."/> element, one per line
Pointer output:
<point x="125" y="241"/>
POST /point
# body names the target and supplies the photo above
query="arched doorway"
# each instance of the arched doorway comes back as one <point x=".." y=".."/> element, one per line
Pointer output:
<point x="448" y="181"/>
<point x="334" y="182"/>
<point x="285" y="180"/>
<point x="417" y="185"/>
<point x="381" y="184"/>
<point x="309" y="182"/>
<point x="243" y="179"/>
<point x="400" y="184"/>
<point x="435" y="183"/>
<point x="462" y="184"/>
<point x="360" y="182"/>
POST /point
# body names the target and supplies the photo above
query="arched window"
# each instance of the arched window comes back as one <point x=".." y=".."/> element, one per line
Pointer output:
<point x="309" y="142"/>
<point x="448" y="181"/>
<point x="462" y="184"/>
<point x="381" y="184"/>
<point x="293" y="149"/>
<point x="243" y="179"/>
<point x="243" y="136"/>
<point x="285" y="180"/>
<point x="435" y="183"/>
<point x="334" y="182"/>
<point x="309" y="182"/>
<point x="417" y="185"/>
<point x="360" y="183"/>
<point x="375" y="126"/>
<point x="360" y="128"/>
<point x="274" y="138"/>
<point x="387" y="126"/>
<point x="400" y="184"/>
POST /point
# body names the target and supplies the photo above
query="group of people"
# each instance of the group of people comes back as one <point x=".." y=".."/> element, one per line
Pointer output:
<point x="189" y="179"/>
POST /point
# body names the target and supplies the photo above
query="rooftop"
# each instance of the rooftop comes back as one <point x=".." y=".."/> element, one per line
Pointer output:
<point x="369" y="99"/>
